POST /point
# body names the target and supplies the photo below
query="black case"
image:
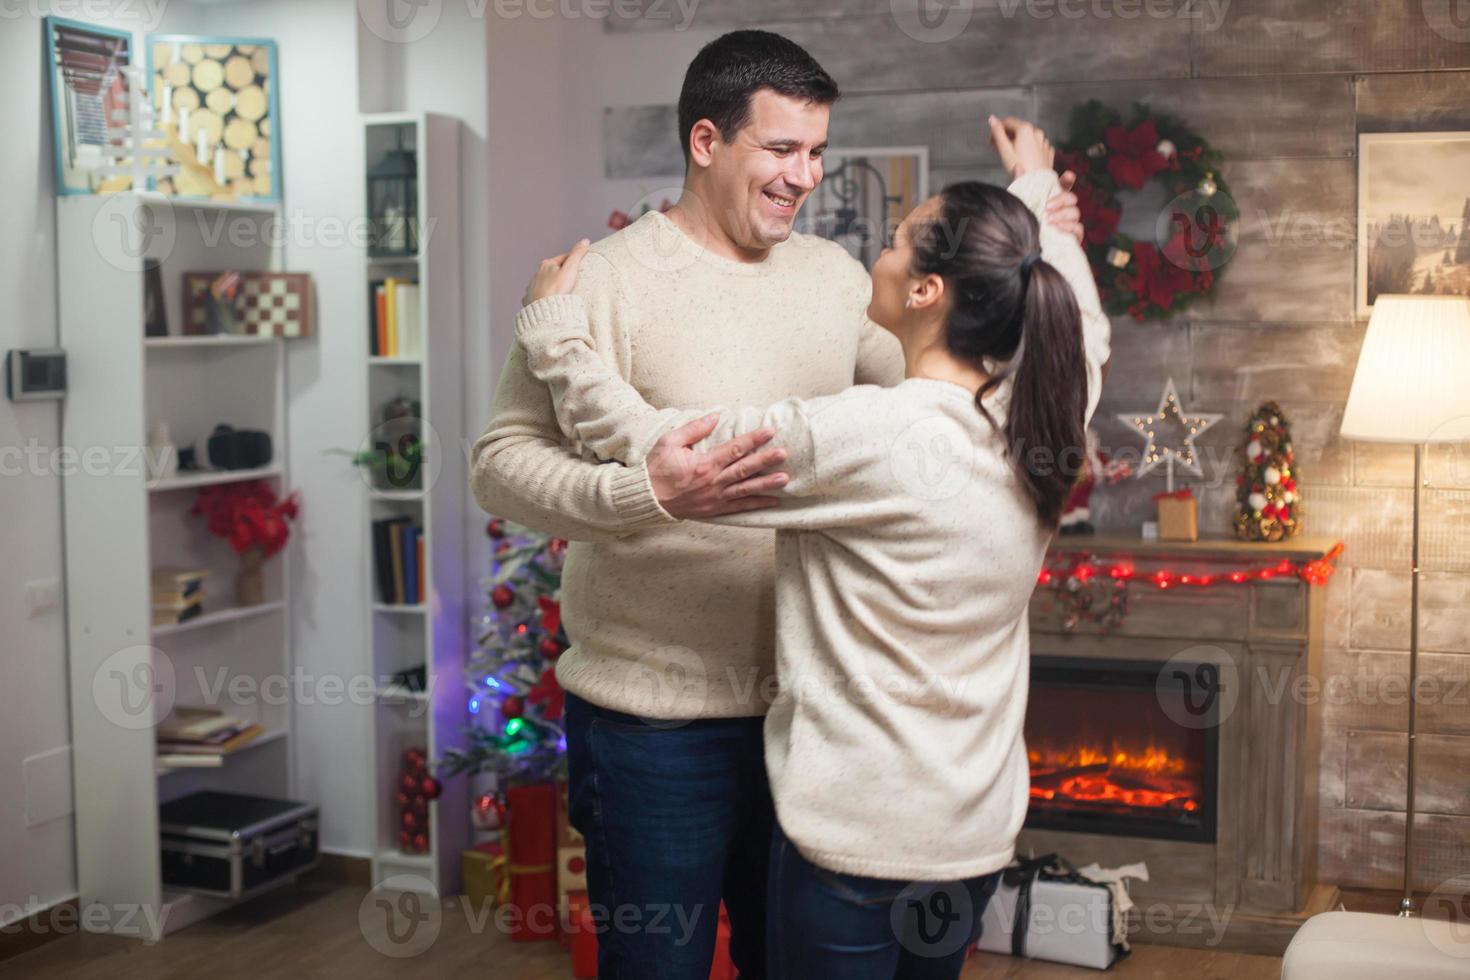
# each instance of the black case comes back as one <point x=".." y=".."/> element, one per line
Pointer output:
<point x="238" y="449"/>
<point x="230" y="845"/>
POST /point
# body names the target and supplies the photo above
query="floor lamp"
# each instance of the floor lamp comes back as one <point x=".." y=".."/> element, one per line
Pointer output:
<point x="1412" y="385"/>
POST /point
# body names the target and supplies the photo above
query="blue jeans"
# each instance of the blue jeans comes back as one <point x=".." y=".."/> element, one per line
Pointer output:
<point x="676" y="816"/>
<point x="824" y="924"/>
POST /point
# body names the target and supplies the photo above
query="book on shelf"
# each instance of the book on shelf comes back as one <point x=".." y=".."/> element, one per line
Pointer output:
<point x="178" y="594"/>
<point x="398" y="552"/>
<point x="203" y="731"/>
<point x="395" y="327"/>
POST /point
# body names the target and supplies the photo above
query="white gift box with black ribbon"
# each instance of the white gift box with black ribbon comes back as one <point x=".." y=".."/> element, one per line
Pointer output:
<point x="1043" y="909"/>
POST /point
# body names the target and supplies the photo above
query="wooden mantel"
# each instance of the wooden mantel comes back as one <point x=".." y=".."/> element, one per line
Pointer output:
<point x="1252" y="887"/>
<point x="1301" y="548"/>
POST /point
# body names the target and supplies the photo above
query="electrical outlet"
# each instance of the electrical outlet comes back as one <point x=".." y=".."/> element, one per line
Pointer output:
<point x="43" y="596"/>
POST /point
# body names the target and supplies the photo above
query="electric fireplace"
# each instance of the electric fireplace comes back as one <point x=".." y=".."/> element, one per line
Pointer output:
<point x="1124" y="747"/>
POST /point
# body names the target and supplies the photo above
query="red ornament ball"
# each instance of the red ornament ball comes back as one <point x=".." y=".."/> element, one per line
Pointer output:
<point x="512" y="707"/>
<point x="409" y="784"/>
<point x="550" y="648"/>
<point x="409" y="820"/>
<point x="414" y="760"/>
<point x="430" y="788"/>
<point x="495" y="529"/>
<point x="405" y="839"/>
<point x="421" y="843"/>
<point x="557" y="547"/>
<point x="403" y="799"/>
<point x="488" y="813"/>
<point x="502" y="596"/>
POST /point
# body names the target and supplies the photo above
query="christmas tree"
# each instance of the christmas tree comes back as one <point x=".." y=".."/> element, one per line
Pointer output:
<point x="514" y="698"/>
<point x="1267" y="505"/>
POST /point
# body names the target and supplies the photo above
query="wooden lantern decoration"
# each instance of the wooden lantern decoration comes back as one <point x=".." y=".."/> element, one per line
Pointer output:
<point x="393" y="194"/>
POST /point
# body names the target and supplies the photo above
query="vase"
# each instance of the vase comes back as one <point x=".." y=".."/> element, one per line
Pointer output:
<point x="250" y="581"/>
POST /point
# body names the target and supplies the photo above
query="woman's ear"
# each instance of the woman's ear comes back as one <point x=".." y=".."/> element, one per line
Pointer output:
<point x="925" y="293"/>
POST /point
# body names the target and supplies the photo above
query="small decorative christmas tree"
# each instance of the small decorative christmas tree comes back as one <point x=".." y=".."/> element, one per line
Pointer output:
<point x="515" y="700"/>
<point x="1268" y="507"/>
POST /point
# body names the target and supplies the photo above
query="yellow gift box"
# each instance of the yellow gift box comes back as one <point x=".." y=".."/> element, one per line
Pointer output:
<point x="1178" y="516"/>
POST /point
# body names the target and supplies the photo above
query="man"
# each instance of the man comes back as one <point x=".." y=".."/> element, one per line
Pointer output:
<point x="672" y="624"/>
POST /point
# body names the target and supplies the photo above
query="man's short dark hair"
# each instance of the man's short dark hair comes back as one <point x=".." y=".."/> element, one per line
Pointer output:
<point x="730" y="69"/>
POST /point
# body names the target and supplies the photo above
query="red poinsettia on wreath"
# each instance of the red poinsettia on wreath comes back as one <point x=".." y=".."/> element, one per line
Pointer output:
<point x="1193" y="236"/>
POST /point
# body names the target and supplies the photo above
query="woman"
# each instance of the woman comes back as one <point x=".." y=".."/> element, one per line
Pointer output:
<point x="914" y="521"/>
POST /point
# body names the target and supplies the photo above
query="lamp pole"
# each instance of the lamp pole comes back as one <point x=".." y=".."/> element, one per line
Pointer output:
<point x="1406" y="904"/>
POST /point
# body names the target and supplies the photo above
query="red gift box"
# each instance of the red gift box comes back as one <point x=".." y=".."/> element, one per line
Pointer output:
<point x="531" y="843"/>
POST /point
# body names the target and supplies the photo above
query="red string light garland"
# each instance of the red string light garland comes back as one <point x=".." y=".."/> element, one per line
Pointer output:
<point x="1314" y="572"/>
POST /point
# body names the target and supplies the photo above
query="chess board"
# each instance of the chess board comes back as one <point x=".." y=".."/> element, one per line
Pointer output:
<point x="270" y="304"/>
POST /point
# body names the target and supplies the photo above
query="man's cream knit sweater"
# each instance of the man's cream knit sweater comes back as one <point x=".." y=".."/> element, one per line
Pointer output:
<point x="676" y="620"/>
<point x="907" y="553"/>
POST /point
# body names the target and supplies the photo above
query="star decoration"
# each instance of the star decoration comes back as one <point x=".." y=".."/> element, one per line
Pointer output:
<point x="1171" y="434"/>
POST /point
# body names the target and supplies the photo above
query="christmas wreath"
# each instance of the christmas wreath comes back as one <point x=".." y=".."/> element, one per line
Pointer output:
<point x="1194" y="234"/>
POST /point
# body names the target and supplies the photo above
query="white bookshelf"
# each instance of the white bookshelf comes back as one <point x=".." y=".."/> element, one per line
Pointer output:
<point x="119" y="525"/>
<point x="432" y="633"/>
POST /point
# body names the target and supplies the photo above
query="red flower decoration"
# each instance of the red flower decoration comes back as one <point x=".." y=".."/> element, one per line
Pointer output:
<point x="1134" y="155"/>
<point x="1098" y="220"/>
<point x="548" y="695"/>
<point x="247" y="514"/>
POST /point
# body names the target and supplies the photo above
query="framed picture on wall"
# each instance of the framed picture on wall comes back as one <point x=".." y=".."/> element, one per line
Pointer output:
<point x="1413" y="215"/>
<point x="218" y="104"/>
<point x="864" y="194"/>
<point x="87" y="67"/>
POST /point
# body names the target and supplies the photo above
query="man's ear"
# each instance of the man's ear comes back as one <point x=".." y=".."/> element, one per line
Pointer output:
<point x="703" y="135"/>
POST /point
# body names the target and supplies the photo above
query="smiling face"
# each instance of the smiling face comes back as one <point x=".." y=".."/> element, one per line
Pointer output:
<point x="758" y="180"/>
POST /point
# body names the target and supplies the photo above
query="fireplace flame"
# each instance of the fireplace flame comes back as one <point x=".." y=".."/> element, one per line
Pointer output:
<point x="1149" y="777"/>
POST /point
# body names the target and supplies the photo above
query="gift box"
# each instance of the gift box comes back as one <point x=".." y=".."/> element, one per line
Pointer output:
<point x="1044" y="910"/>
<point x="483" y="869"/>
<point x="1178" y="515"/>
<point x="531" y="861"/>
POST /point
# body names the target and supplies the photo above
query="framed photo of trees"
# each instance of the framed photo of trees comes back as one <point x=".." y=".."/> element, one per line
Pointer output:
<point x="1413" y="215"/>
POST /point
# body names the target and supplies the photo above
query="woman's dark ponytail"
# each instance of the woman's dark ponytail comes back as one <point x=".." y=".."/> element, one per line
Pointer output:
<point x="1044" y="423"/>
<point x="1008" y="306"/>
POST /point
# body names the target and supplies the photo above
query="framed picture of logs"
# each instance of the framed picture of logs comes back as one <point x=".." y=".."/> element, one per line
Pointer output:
<point x="218" y="105"/>
<point x="88" y="67"/>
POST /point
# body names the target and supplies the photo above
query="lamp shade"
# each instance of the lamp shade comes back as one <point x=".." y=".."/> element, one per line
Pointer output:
<point x="1413" y="379"/>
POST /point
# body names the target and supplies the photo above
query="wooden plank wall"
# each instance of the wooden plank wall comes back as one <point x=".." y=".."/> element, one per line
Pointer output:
<point x="1283" y="87"/>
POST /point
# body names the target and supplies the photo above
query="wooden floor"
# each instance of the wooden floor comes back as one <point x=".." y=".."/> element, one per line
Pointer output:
<point x="312" y="930"/>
